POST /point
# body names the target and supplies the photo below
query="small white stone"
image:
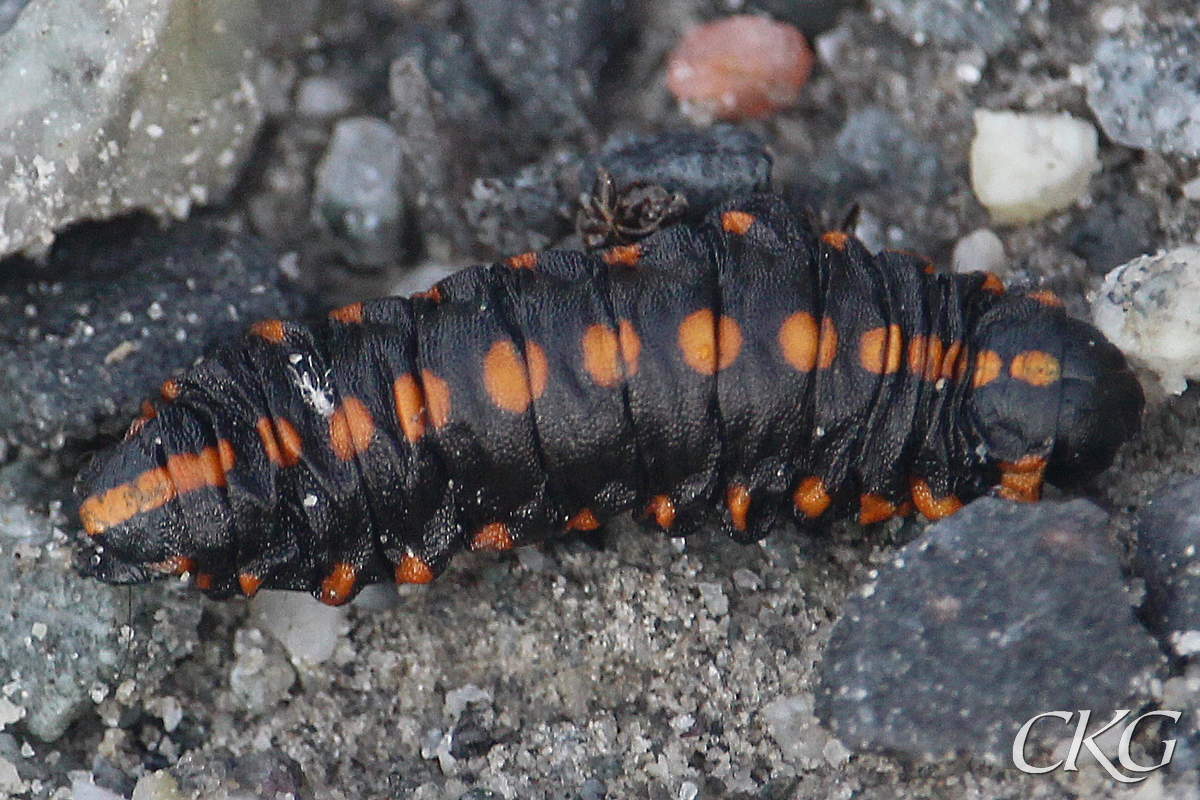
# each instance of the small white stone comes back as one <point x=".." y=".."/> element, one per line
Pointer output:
<point x="308" y="628"/>
<point x="1150" y="308"/>
<point x="1025" y="166"/>
<point x="979" y="251"/>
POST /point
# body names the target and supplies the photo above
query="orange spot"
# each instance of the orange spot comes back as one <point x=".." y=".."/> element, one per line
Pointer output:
<point x="539" y="369"/>
<point x="811" y="497"/>
<point x="249" y="583"/>
<point x="410" y="406"/>
<point x="601" y="355"/>
<point x="708" y="348"/>
<point x="918" y="352"/>
<point x="631" y="346"/>
<point x="272" y="330"/>
<point x="951" y="361"/>
<point x="827" y="342"/>
<point x="522" y="261"/>
<point x="992" y="284"/>
<point x="933" y="359"/>
<point x="505" y="378"/>
<point x="412" y="569"/>
<point x="148" y="491"/>
<point x="349" y="315"/>
<point x="626" y="255"/>
<point x="433" y="294"/>
<point x="204" y="580"/>
<point x="191" y="471"/>
<point x="1021" y="480"/>
<point x="835" y="239"/>
<point x="737" y="499"/>
<point x="140" y="422"/>
<point x="338" y="584"/>
<point x="737" y="222"/>
<point x="662" y="509"/>
<point x="585" y="520"/>
<point x="1035" y="368"/>
<point x="880" y="350"/>
<point x="987" y="368"/>
<point x="147" y="410"/>
<point x="1046" y="298"/>
<point x="290" y="448"/>
<point x="799" y="340"/>
<point x="169" y="390"/>
<point x="934" y="508"/>
<point x="350" y="429"/>
<point x="492" y="536"/>
<point x="266" y="433"/>
<point x="175" y="565"/>
<point x="437" y="398"/>
<point x="873" y="508"/>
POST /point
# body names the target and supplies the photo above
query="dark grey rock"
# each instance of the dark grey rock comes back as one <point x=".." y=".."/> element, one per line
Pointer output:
<point x="1145" y="89"/>
<point x="1113" y="231"/>
<point x="996" y="614"/>
<point x="1168" y="559"/>
<point x="810" y="16"/>
<point x="117" y="307"/>
<point x="990" y="25"/>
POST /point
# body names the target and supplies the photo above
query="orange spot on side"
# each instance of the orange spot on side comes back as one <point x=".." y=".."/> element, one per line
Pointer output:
<point x="933" y="359"/>
<point x="290" y="448"/>
<point x="148" y="491"/>
<point x="204" y="580"/>
<point x="987" y="368"/>
<point x="625" y="255"/>
<point x="737" y="499"/>
<point x="662" y="509"/>
<point x="249" y="583"/>
<point x="835" y="239"/>
<point x="585" y="520"/>
<point x="148" y="411"/>
<point x="504" y="377"/>
<point x="191" y="471"/>
<point x="918" y="352"/>
<point x="338" y="584"/>
<point x="880" y="350"/>
<point x="348" y="315"/>
<point x="1046" y="298"/>
<point x="631" y="346"/>
<point x="432" y="294"/>
<point x="492" y="536"/>
<point x="169" y="390"/>
<point x="437" y="398"/>
<point x="729" y="341"/>
<point x="1021" y="480"/>
<point x="601" y="355"/>
<point x="175" y="565"/>
<point x="706" y="347"/>
<point x="1035" y="368"/>
<point x="811" y="497"/>
<point x="410" y="406"/>
<point x="737" y="222"/>
<point x="266" y="433"/>
<point x="522" y="261"/>
<point x="992" y="284"/>
<point x="934" y="508"/>
<point x="539" y="369"/>
<point x="412" y="569"/>
<point x="827" y="342"/>
<point x="350" y="429"/>
<point x="872" y="508"/>
<point x="272" y="330"/>
<point x="950" y="361"/>
<point x="799" y="340"/>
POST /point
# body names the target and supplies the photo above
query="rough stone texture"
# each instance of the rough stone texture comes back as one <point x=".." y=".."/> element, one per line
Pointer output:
<point x="1168" y="556"/>
<point x="146" y="104"/>
<point x="114" y="311"/>
<point x="996" y="614"/>
<point x="1144" y="88"/>
<point x="990" y="25"/>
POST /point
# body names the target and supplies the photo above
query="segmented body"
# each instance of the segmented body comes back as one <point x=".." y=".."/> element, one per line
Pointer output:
<point x="741" y="373"/>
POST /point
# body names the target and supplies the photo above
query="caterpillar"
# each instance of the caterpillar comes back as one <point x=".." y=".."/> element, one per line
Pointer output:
<point x="741" y="371"/>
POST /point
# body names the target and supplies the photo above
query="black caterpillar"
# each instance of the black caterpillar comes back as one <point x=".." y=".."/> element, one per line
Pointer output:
<point x="738" y="372"/>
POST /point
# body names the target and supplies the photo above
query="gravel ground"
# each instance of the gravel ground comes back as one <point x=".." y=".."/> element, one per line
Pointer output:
<point x="647" y="667"/>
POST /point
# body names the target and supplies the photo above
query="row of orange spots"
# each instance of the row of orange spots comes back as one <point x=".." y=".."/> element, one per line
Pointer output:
<point x="1034" y="367"/>
<point x="625" y="255"/>
<point x="280" y="441"/>
<point x="584" y="520"/>
<point x="662" y="509"/>
<point x="987" y="368"/>
<point x="880" y="350"/>
<point x="272" y="330"/>
<point x="872" y="508"/>
<point x="934" y="508"/>
<point x="608" y="356"/>
<point x="492" y="536"/>
<point x="522" y="261"/>
<point x="799" y="341"/>
<point x="737" y="500"/>
<point x="709" y="345"/>
<point x="350" y="429"/>
<point x="154" y="488"/>
<point x="811" y="497"/>
<point x="514" y="381"/>
<point x="348" y="315"/>
<point x="413" y="569"/>
<point x="835" y="239"/>
<point x="736" y="222"/>
<point x="410" y="406"/>
<point x="433" y="294"/>
<point x="993" y="284"/>
<point x="338" y="584"/>
<point x="1021" y="480"/>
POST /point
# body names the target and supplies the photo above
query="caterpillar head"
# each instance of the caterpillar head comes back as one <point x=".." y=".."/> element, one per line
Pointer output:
<point x="1050" y="395"/>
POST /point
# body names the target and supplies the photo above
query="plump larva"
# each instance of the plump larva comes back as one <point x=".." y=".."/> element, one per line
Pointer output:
<point x="740" y="372"/>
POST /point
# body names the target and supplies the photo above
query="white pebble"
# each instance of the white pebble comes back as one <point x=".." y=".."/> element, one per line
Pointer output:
<point x="979" y="251"/>
<point x="319" y="96"/>
<point x="1150" y="308"/>
<point x="308" y="628"/>
<point x="1025" y="166"/>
